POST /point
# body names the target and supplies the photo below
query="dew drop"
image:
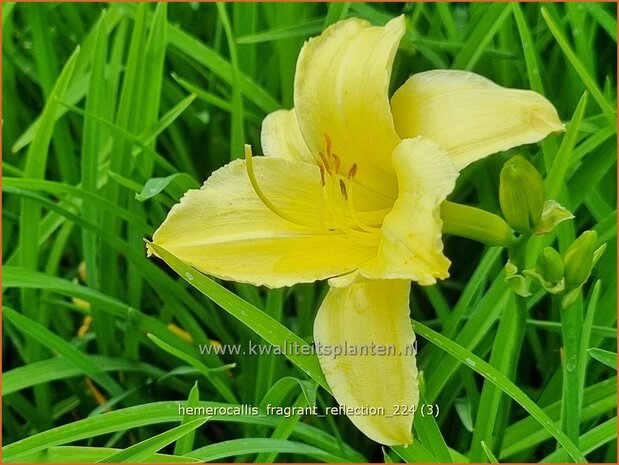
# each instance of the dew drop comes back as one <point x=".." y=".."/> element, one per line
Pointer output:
<point x="471" y="362"/>
<point x="189" y="276"/>
<point x="571" y="364"/>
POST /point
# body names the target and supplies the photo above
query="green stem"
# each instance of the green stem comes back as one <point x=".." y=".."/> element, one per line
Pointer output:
<point x="493" y="405"/>
<point x="493" y="410"/>
<point x="476" y="224"/>
<point x="571" y="328"/>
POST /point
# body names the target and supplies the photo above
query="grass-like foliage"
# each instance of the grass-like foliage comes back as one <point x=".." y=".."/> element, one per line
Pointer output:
<point x="112" y="111"/>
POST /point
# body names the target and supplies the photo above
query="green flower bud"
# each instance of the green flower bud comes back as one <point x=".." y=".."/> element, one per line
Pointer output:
<point x="521" y="194"/>
<point x="473" y="223"/>
<point x="579" y="259"/>
<point x="550" y="265"/>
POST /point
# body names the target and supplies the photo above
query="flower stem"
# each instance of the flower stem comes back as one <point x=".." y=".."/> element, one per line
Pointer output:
<point x="493" y="405"/>
<point x="571" y="328"/>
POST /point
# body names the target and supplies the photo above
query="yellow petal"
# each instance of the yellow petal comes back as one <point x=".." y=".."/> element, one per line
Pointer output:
<point x="341" y="92"/>
<point x="411" y="245"/>
<point x="469" y="115"/>
<point x="224" y="229"/>
<point x="282" y="138"/>
<point x="365" y="315"/>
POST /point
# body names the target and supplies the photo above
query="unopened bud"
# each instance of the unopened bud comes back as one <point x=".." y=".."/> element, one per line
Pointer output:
<point x="550" y="265"/>
<point x="473" y="223"/>
<point x="521" y="194"/>
<point x="579" y="259"/>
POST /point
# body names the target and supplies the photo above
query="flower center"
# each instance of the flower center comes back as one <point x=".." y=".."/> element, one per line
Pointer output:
<point x="338" y="192"/>
<point x="338" y="196"/>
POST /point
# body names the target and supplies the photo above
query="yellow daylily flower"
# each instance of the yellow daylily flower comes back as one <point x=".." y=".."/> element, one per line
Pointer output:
<point x="349" y="190"/>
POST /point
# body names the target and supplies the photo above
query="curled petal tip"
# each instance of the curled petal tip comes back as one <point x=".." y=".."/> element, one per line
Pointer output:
<point x="149" y="249"/>
<point x="470" y="116"/>
<point x="543" y="115"/>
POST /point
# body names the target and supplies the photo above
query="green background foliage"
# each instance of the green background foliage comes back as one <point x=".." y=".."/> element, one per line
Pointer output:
<point x="112" y="111"/>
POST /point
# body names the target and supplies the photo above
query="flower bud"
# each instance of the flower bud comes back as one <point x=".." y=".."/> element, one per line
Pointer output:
<point x="579" y="259"/>
<point x="521" y="194"/>
<point x="550" y="265"/>
<point x="473" y="223"/>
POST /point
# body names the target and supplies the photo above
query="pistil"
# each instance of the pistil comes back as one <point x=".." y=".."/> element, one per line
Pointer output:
<point x="249" y="165"/>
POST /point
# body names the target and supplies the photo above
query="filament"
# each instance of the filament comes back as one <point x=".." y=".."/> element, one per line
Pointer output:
<point x="249" y="165"/>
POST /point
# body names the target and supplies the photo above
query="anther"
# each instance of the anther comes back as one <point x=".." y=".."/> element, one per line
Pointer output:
<point x="322" y="174"/>
<point x="343" y="189"/>
<point x="325" y="162"/>
<point x="337" y="162"/>
<point x="328" y="141"/>
<point x="352" y="171"/>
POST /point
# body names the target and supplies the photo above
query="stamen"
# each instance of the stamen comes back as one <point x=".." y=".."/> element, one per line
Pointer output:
<point x="351" y="208"/>
<point x="352" y="171"/>
<point x="340" y="204"/>
<point x="343" y="189"/>
<point x="337" y="162"/>
<point x="329" y="145"/>
<point x="338" y="211"/>
<point x="249" y="165"/>
<point x="325" y="162"/>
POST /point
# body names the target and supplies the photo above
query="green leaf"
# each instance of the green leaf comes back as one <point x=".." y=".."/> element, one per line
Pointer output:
<point x="555" y="180"/>
<point x="175" y="182"/>
<point x="609" y="111"/>
<point x="57" y="344"/>
<point x="255" y="319"/>
<point x="236" y="447"/>
<point x="237" y="130"/>
<point x="590" y="441"/>
<point x="80" y="454"/>
<point x="55" y="369"/>
<point x="463" y="409"/>
<point x="210" y="59"/>
<point x="603" y="18"/>
<point x="59" y="188"/>
<point x="502" y="382"/>
<point x="142" y="450"/>
<point x="18" y="277"/>
<point x="155" y="413"/>
<point x="480" y="38"/>
<point x="284" y="386"/>
<point x="488" y="453"/>
<point x="185" y="444"/>
<point x="286" y="32"/>
<point x="210" y="374"/>
<point x="604" y="356"/>
<point x="415" y="453"/>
